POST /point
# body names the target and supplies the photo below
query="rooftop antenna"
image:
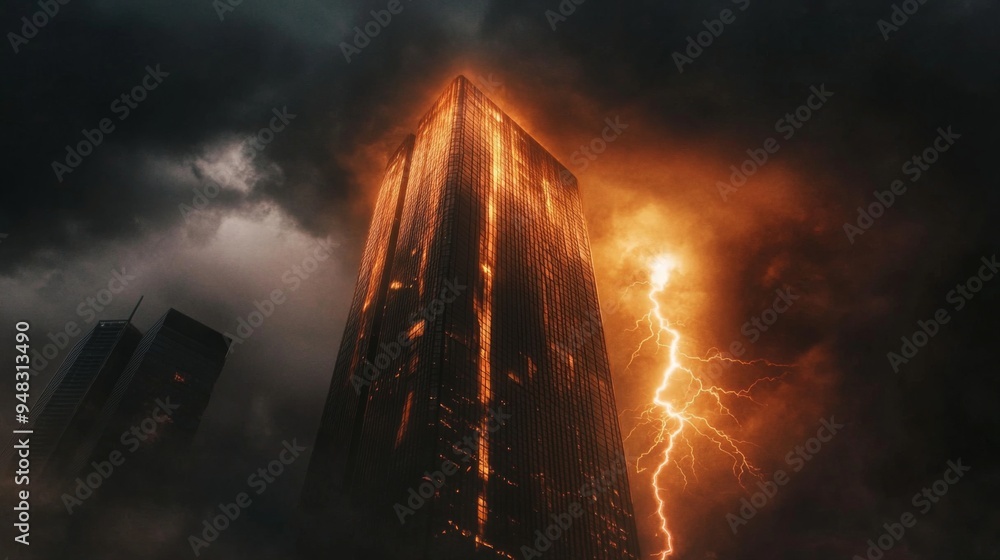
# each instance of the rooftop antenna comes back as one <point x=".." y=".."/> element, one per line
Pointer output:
<point x="136" y="309"/>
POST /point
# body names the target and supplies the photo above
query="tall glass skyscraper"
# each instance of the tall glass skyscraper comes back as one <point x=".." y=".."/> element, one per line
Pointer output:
<point x="471" y="407"/>
<point x="122" y="410"/>
<point x="114" y="379"/>
<point x="71" y="403"/>
<point x="167" y="384"/>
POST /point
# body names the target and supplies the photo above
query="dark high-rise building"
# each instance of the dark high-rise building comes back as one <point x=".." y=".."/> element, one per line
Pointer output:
<point x="155" y="408"/>
<point x="69" y="406"/>
<point x="141" y="399"/>
<point x="471" y="405"/>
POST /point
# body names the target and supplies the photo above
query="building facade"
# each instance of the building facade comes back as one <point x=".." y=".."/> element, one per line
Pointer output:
<point x="120" y="413"/>
<point x="471" y="407"/>
<point x="71" y="402"/>
<point x="159" y="399"/>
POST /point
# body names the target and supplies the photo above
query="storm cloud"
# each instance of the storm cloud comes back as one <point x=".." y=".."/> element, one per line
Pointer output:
<point x="141" y="200"/>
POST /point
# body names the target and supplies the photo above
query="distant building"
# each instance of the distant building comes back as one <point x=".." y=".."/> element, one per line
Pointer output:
<point x="471" y="403"/>
<point x="131" y="404"/>
<point x="120" y="391"/>
<point x="70" y="405"/>
<point x="156" y="406"/>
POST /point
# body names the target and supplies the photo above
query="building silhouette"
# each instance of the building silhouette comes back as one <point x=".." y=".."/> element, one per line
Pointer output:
<point x="116" y="378"/>
<point x="471" y="406"/>
<point x="158" y="401"/>
<point x="114" y="428"/>
<point x="71" y="403"/>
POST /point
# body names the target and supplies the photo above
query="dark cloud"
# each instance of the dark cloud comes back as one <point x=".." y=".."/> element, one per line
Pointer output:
<point x="316" y="180"/>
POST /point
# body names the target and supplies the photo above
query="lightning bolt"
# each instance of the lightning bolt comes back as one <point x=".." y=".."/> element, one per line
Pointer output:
<point x="684" y="406"/>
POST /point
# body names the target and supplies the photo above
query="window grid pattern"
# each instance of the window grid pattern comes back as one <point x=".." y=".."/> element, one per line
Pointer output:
<point x="343" y="411"/>
<point x="487" y="207"/>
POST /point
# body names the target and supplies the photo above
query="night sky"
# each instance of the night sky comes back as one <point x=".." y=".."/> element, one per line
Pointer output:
<point x="838" y="103"/>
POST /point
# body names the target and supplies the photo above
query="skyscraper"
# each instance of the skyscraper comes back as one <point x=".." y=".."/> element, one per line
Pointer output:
<point x="159" y="398"/>
<point x="471" y="405"/>
<point x="71" y="402"/>
<point x="120" y="415"/>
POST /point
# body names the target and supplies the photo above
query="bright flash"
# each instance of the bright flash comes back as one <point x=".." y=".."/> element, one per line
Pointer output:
<point x="661" y="267"/>
<point x="684" y="406"/>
